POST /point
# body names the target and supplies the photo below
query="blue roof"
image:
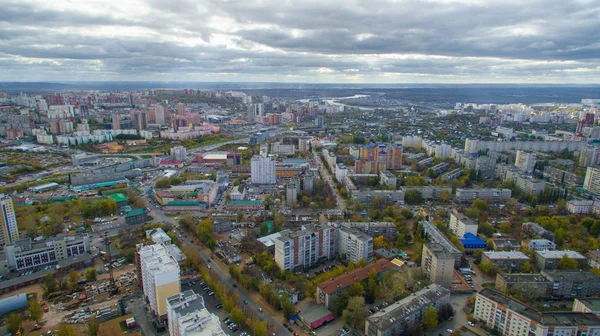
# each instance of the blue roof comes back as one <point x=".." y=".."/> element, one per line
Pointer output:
<point x="469" y="240"/>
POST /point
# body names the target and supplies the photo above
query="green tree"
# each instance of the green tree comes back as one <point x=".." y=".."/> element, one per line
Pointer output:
<point x="50" y="284"/>
<point x="567" y="263"/>
<point x="356" y="289"/>
<point x="72" y="283"/>
<point x="240" y="216"/>
<point x="13" y="323"/>
<point x="413" y="197"/>
<point x="479" y="204"/>
<point x="93" y="327"/>
<point x="163" y="183"/>
<point x="287" y="307"/>
<point x="35" y="310"/>
<point x="430" y="318"/>
<point x="380" y="242"/>
<point x="486" y="229"/>
<point x="65" y="330"/>
<point x="237" y="315"/>
<point x="488" y="268"/>
<point x="264" y="229"/>
<point x="445" y="196"/>
<point x="91" y="274"/>
<point x="527" y="267"/>
<point x="354" y="315"/>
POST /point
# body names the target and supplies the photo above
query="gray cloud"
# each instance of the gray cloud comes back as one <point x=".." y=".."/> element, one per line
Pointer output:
<point x="335" y="41"/>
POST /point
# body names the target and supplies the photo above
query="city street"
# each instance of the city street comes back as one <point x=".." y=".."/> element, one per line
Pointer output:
<point x="341" y="204"/>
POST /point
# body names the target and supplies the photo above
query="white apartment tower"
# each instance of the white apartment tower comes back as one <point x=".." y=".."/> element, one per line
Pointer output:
<point x="305" y="248"/>
<point x="262" y="170"/>
<point x="188" y="316"/>
<point x="525" y="161"/>
<point x="160" y="276"/>
<point x="355" y="245"/>
<point x="10" y="231"/>
<point x="159" y="114"/>
<point x="592" y="180"/>
<point x="178" y="153"/>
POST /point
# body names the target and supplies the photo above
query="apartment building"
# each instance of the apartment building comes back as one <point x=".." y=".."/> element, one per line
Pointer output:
<point x="10" y="231"/>
<point x="262" y="170"/>
<point x="305" y="248"/>
<point x="461" y="224"/>
<point x="386" y="178"/>
<point x="490" y="195"/>
<point x="373" y="229"/>
<point x="328" y="290"/>
<point x="591" y="182"/>
<point x="24" y="254"/>
<point x="510" y="317"/>
<point x="505" y="260"/>
<point x="434" y="235"/>
<point x="549" y="259"/>
<point x="594" y="258"/>
<point x="541" y="245"/>
<point x="188" y="316"/>
<point x="160" y="276"/>
<point x="525" y="161"/>
<point x="591" y="305"/>
<point x="506" y="244"/>
<point x="354" y="244"/>
<point x="580" y="206"/>
<point x="437" y="263"/>
<point x="538" y="283"/>
<point x="393" y="319"/>
<point x="572" y="284"/>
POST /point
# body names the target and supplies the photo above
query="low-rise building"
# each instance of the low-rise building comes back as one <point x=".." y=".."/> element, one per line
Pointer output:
<point x="373" y="229"/>
<point x="136" y="216"/>
<point x="328" y="290"/>
<point x="505" y="260"/>
<point x="591" y="305"/>
<point x="245" y="205"/>
<point x="541" y="245"/>
<point x="549" y="259"/>
<point x="512" y="283"/>
<point x="24" y="254"/>
<point x="538" y="230"/>
<point x="396" y="317"/>
<point x="451" y="175"/>
<point x="163" y="197"/>
<point x="506" y="244"/>
<point x="460" y="224"/>
<point x="580" y="206"/>
<point x="486" y="194"/>
<point x="510" y="317"/>
<point x="437" y="263"/>
<point x="594" y="258"/>
<point x="572" y="284"/>
<point x="386" y="178"/>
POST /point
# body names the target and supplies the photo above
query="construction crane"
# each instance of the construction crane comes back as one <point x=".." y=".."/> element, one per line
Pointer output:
<point x="104" y="239"/>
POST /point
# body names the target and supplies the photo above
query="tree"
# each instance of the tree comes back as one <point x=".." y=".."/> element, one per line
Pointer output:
<point x="527" y="267"/>
<point x="413" y="197"/>
<point x="13" y="323"/>
<point x="567" y="263"/>
<point x="72" y="283"/>
<point x="445" y="196"/>
<point x="90" y="274"/>
<point x="356" y="289"/>
<point x="50" y="284"/>
<point x="488" y="268"/>
<point x="35" y="310"/>
<point x="354" y="315"/>
<point x="163" y="183"/>
<point x="287" y="307"/>
<point x="401" y="239"/>
<point x="237" y="315"/>
<point x="380" y="242"/>
<point x="264" y="229"/>
<point x="486" y="229"/>
<point x="479" y="204"/>
<point x="430" y="318"/>
<point x="240" y="216"/>
<point x="93" y="327"/>
<point x="65" y="330"/>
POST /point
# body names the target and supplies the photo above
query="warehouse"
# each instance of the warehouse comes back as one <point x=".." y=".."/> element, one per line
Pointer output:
<point x="44" y="187"/>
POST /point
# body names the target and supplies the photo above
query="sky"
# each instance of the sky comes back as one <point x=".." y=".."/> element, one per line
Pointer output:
<point x="321" y="41"/>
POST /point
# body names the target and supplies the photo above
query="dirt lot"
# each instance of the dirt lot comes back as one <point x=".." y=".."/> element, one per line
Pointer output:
<point x="113" y="327"/>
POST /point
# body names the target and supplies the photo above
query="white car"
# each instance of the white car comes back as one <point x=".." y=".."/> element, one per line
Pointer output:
<point x="449" y="331"/>
<point x="471" y="324"/>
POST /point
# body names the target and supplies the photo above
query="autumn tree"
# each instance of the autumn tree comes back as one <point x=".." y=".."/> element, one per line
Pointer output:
<point x="430" y="318"/>
<point x="567" y="263"/>
<point x="380" y="242"/>
<point x="35" y="310"/>
<point x="14" y="322"/>
<point x="354" y="314"/>
<point x="93" y="327"/>
<point x="72" y="283"/>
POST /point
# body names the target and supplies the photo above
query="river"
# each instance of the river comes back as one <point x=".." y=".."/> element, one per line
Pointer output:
<point x="335" y="101"/>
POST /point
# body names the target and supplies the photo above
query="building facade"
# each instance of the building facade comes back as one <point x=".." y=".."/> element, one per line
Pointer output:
<point x="23" y="254"/>
<point x="188" y="316"/>
<point x="262" y="170"/>
<point x="505" y="260"/>
<point x="10" y="231"/>
<point x="160" y="277"/>
<point x="305" y="248"/>
<point x="461" y="224"/>
<point x="549" y="259"/>
<point x="354" y="244"/>
<point x="438" y="264"/>
<point x="591" y="182"/>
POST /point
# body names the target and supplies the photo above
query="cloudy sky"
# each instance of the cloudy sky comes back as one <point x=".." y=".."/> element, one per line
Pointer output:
<point x="377" y="41"/>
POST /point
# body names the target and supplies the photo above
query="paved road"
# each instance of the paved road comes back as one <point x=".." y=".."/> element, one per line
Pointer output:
<point x="341" y="204"/>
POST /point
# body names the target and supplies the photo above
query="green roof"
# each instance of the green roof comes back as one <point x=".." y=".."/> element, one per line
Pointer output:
<point x="245" y="202"/>
<point x="118" y="197"/>
<point x="185" y="203"/>
<point x="135" y="212"/>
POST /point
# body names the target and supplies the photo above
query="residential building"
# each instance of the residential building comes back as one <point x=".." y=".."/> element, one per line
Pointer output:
<point x="510" y="317"/>
<point x="591" y="182"/>
<point x="530" y="185"/>
<point x="580" y="206"/>
<point x="10" y="231"/>
<point x="512" y="283"/>
<point x="594" y="258"/>
<point x="188" y="316"/>
<point x="262" y="170"/>
<point x="158" y="236"/>
<point x="461" y="224"/>
<point x="341" y="171"/>
<point x="434" y="235"/>
<point x="245" y="205"/>
<point x="572" y="284"/>
<point x="489" y="195"/>
<point x="373" y="229"/>
<point x="505" y="260"/>
<point x="178" y="153"/>
<point x="328" y="290"/>
<point x="437" y="264"/>
<point x="116" y="121"/>
<point x="525" y="161"/>
<point x="506" y="244"/>
<point x="591" y="305"/>
<point x="24" y="254"/>
<point x="159" y="114"/>
<point x="549" y="259"/>
<point x="354" y="244"/>
<point x="305" y="248"/>
<point x="160" y="276"/>
<point x="538" y="230"/>
<point x="396" y="317"/>
<point x="451" y="175"/>
<point x="180" y="109"/>
<point x="136" y="216"/>
<point x="541" y="245"/>
<point x="386" y="178"/>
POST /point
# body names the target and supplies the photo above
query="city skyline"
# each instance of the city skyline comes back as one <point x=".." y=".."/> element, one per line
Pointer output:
<point x="441" y="41"/>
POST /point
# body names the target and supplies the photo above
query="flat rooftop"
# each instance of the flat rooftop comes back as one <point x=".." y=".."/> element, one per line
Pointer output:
<point x="569" y="319"/>
<point x="503" y="255"/>
<point x="592" y="304"/>
<point x="513" y="305"/>
<point x="524" y="277"/>
<point x="560" y="254"/>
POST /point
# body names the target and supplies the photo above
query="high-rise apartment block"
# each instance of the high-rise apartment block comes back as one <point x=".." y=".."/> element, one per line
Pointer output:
<point x="305" y="248"/>
<point x="525" y="161"/>
<point x="592" y="180"/>
<point x="262" y="170"/>
<point x="178" y="153"/>
<point x="159" y="114"/>
<point x="160" y="276"/>
<point x="374" y="158"/>
<point x="10" y="231"/>
<point x="180" y="109"/>
<point x="354" y="244"/>
<point x="437" y="264"/>
<point x="116" y="121"/>
<point x="461" y="224"/>
<point x="188" y="316"/>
